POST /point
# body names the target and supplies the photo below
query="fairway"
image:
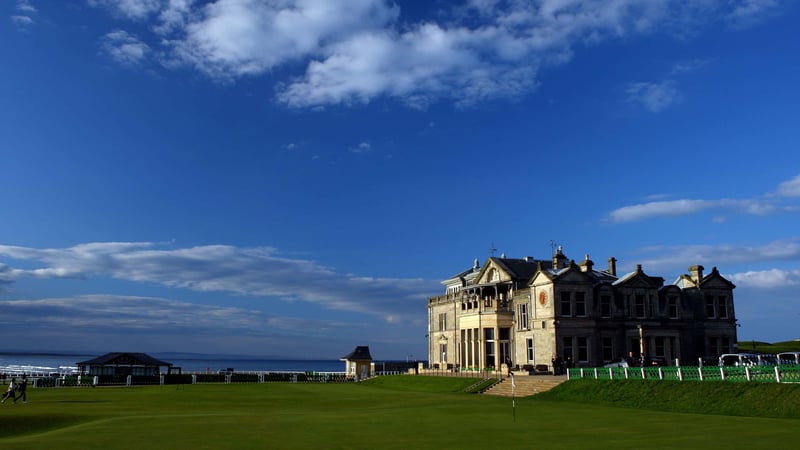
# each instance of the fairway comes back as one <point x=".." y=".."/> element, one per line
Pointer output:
<point x="355" y="416"/>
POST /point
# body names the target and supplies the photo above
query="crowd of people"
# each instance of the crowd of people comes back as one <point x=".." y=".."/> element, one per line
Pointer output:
<point x="16" y="390"/>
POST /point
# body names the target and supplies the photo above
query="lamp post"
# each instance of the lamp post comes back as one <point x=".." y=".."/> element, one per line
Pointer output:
<point x="641" y="340"/>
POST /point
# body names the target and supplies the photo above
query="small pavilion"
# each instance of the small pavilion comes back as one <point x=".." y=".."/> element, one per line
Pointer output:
<point x="136" y="364"/>
<point x="358" y="364"/>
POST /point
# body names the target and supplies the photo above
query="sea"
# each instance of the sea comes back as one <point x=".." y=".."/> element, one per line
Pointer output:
<point x="66" y="363"/>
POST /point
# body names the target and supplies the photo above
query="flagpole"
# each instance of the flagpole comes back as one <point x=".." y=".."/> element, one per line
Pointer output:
<point x="513" y="401"/>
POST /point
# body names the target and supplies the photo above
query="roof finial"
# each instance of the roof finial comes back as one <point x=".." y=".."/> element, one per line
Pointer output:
<point x="492" y="250"/>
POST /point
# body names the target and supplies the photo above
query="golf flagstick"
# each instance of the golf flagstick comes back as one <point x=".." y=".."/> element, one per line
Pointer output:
<point x="513" y="402"/>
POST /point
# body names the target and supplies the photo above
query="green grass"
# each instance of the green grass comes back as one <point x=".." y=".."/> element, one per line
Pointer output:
<point x="421" y="384"/>
<point x="389" y="412"/>
<point x="431" y="384"/>
<point x="772" y="348"/>
<point x="710" y="397"/>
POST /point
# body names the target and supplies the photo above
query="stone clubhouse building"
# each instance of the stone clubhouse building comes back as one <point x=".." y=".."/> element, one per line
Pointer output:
<point x="527" y="311"/>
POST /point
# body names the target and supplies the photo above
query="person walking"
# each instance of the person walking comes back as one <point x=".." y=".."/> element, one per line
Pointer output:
<point x="12" y="388"/>
<point x="22" y="388"/>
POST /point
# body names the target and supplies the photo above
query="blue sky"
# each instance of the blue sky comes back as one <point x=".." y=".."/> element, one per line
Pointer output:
<point x="295" y="177"/>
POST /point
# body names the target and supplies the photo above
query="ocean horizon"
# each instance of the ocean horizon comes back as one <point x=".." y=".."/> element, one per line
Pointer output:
<point x="18" y="362"/>
<point x="66" y="362"/>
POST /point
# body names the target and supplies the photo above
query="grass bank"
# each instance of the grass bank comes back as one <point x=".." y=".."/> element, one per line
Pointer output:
<point x="718" y="398"/>
<point x="767" y="347"/>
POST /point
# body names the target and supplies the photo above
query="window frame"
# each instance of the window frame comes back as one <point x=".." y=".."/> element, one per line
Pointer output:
<point x="522" y="313"/>
<point x="565" y="304"/>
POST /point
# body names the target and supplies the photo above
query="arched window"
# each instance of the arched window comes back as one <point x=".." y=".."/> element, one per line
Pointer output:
<point x="494" y="276"/>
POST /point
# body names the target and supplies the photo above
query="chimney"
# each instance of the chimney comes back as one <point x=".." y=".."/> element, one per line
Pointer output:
<point x="612" y="266"/>
<point x="696" y="272"/>
<point x="587" y="264"/>
<point x="559" y="260"/>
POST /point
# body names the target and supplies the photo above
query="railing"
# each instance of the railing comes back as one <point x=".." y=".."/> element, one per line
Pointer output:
<point x="766" y="374"/>
<point x="190" y="378"/>
<point x="464" y="372"/>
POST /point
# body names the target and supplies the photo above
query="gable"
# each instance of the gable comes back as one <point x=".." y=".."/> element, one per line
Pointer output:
<point x="492" y="273"/>
<point x="573" y="276"/>
<point x="670" y="289"/>
<point x="639" y="280"/>
<point x="540" y="278"/>
<point x="636" y="283"/>
<point x="685" y="282"/>
<point x="716" y="281"/>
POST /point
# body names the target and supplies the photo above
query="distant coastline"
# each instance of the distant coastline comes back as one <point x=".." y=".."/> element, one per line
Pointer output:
<point x="44" y="353"/>
<point x="61" y="362"/>
<point x="156" y="354"/>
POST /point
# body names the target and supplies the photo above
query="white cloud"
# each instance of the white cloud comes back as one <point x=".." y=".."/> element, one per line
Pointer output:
<point x="363" y="147"/>
<point x="25" y="6"/>
<point x="131" y="312"/>
<point x="354" y="51"/>
<point x="257" y="272"/>
<point x="767" y="279"/>
<point x="124" y="48"/>
<point x="770" y="204"/>
<point x="687" y="66"/>
<point x="790" y="188"/>
<point x="659" y="208"/>
<point x="21" y="21"/>
<point x="174" y="16"/>
<point x="419" y="67"/>
<point x="654" y="96"/>
<point x="106" y="321"/>
<point x="131" y="9"/>
<point x="748" y="13"/>
<point x="235" y="38"/>
<point x="663" y="257"/>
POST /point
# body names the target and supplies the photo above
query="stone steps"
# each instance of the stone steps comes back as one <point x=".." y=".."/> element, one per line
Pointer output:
<point x="525" y="386"/>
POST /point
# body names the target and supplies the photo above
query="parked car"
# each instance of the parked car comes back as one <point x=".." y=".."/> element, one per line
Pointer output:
<point x="618" y="362"/>
<point x="737" y="359"/>
<point x="767" y="360"/>
<point x="658" y="361"/>
<point x="709" y="361"/>
<point x="650" y="361"/>
<point x="789" y="358"/>
<point x="747" y="360"/>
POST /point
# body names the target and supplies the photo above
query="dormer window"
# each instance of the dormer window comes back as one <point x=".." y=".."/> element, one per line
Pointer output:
<point x="672" y="307"/>
<point x="722" y="307"/>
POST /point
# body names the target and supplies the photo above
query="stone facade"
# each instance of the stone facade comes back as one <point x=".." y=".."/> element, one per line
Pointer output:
<point x="527" y="311"/>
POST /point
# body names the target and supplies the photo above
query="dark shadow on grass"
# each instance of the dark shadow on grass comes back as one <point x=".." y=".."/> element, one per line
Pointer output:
<point x="14" y="426"/>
